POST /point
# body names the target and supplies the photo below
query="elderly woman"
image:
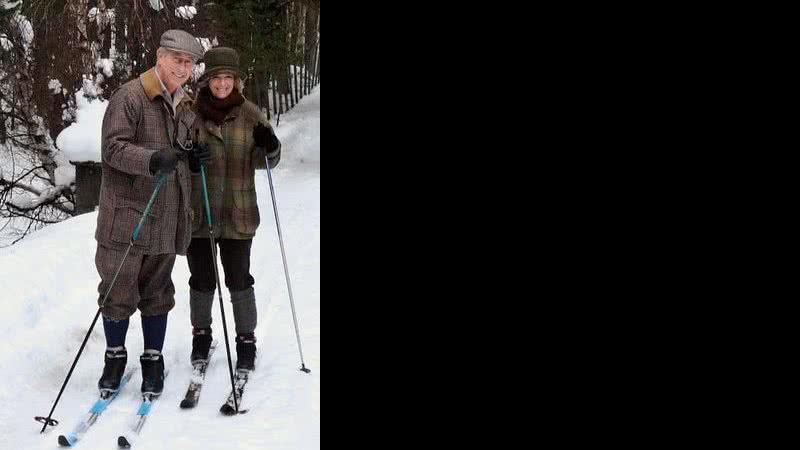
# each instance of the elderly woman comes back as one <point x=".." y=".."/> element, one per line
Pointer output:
<point x="237" y="139"/>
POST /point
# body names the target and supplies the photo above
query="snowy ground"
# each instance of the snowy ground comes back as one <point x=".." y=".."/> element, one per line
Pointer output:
<point x="49" y="284"/>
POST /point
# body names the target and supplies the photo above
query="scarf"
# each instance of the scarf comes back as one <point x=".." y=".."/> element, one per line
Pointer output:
<point x="216" y="109"/>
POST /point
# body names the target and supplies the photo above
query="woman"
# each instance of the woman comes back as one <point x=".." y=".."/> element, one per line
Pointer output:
<point x="236" y="139"/>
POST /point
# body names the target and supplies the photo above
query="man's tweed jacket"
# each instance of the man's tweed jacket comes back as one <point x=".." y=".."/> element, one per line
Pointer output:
<point x="138" y="123"/>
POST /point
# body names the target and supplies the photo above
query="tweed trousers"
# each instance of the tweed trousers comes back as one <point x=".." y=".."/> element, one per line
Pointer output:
<point x="144" y="283"/>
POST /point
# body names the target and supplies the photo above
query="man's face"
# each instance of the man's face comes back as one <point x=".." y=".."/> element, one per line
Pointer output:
<point x="221" y="85"/>
<point x="175" y="69"/>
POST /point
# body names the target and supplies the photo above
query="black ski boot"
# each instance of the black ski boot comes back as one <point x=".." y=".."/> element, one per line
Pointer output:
<point x="152" y="373"/>
<point x="201" y="344"/>
<point x="116" y="360"/>
<point x="246" y="352"/>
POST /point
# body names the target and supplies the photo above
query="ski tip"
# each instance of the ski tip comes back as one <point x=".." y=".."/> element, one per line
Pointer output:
<point x="122" y="442"/>
<point x="63" y="441"/>
<point x="188" y="404"/>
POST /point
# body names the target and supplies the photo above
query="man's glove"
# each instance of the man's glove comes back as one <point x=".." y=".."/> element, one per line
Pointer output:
<point x="265" y="138"/>
<point x="200" y="154"/>
<point x="164" y="162"/>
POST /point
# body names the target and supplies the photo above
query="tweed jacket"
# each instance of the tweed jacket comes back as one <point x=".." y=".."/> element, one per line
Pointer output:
<point x="138" y="123"/>
<point x="230" y="174"/>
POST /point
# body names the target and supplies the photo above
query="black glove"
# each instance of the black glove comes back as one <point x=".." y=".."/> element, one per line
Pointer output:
<point x="274" y="160"/>
<point x="200" y="154"/>
<point x="164" y="162"/>
<point x="265" y="138"/>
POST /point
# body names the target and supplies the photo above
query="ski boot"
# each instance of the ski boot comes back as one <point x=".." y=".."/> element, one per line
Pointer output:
<point x="116" y="360"/>
<point x="152" y="373"/>
<point x="246" y="352"/>
<point x="201" y="344"/>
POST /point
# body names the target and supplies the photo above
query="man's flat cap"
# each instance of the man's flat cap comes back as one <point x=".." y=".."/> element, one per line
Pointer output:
<point x="181" y="41"/>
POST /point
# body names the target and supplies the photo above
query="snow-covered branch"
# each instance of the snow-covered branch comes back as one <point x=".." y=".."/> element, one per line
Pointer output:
<point x="46" y="197"/>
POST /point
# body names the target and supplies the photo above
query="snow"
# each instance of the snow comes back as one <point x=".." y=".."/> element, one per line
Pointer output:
<point x="207" y="43"/>
<point x="25" y="30"/>
<point x="305" y="114"/>
<point x="81" y="140"/>
<point x="22" y="203"/>
<point x="106" y="65"/>
<point x="47" y="194"/>
<point x="54" y="86"/>
<point x="65" y="175"/>
<point x="158" y="5"/>
<point x="8" y="4"/>
<point x="92" y="87"/>
<point x="198" y="70"/>
<point x="186" y="12"/>
<point x="49" y="300"/>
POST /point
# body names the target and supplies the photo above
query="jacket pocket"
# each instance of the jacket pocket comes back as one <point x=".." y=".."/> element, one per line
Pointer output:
<point x="246" y="217"/>
<point x="127" y="215"/>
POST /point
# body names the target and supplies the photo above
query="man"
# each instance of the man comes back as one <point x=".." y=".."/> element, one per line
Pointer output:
<point x="145" y="132"/>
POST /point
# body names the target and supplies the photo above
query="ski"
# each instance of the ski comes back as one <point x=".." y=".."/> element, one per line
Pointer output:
<point x="229" y="408"/>
<point x="198" y="377"/>
<point x="145" y="408"/>
<point x="106" y="397"/>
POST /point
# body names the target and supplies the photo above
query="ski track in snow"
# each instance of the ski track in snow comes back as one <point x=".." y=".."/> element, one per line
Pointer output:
<point x="50" y="286"/>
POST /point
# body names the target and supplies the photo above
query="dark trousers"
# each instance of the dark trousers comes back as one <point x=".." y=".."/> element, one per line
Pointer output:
<point x="235" y="256"/>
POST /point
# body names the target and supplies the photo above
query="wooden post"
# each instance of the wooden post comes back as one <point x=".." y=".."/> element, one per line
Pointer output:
<point x="316" y="66"/>
<point x="297" y="95"/>
<point x="291" y="88"/>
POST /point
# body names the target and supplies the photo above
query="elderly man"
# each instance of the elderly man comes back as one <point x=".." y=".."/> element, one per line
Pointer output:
<point x="145" y="132"/>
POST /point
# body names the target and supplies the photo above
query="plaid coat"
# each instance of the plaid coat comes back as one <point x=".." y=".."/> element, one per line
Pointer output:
<point x="137" y="124"/>
<point x="231" y="174"/>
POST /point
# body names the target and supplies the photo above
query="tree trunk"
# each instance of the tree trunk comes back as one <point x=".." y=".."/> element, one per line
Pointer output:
<point x="274" y="94"/>
<point x="312" y="21"/>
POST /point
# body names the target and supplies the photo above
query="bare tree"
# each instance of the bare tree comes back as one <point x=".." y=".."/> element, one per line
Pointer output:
<point x="30" y="197"/>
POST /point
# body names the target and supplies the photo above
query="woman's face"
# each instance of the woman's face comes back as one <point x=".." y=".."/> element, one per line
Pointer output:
<point x="221" y="85"/>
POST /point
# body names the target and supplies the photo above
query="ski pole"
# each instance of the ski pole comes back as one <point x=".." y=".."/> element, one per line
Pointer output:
<point x="283" y="252"/>
<point x="219" y="284"/>
<point x="49" y="419"/>
<point x="286" y="269"/>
